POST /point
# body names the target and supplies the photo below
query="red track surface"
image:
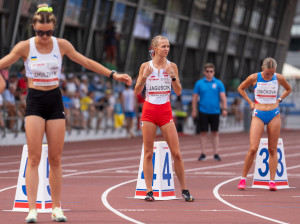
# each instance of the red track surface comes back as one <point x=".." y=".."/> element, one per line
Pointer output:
<point x="92" y="168"/>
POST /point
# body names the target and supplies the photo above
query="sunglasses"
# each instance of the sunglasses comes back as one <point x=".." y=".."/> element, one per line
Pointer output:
<point x="209" y="71"/>
<point x="41" y="33"/>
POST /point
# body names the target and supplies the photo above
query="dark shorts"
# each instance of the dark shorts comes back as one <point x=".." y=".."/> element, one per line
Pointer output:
<point x="205" y="121"/>
<point x="45" y="104"/>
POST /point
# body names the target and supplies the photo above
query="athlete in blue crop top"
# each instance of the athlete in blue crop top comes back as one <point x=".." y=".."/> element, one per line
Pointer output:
<point x="265" y="112"/>
<point x="42" y="56"/>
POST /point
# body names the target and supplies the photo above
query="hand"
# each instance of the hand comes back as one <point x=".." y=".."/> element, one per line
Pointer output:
<point x="147" y="71"/>
<point x="123" y="78"/>
<point x="252" y="105"/>
<point x="169" y="69"/>
<point x="224" y="113"/>
<point x="194" y="114"/>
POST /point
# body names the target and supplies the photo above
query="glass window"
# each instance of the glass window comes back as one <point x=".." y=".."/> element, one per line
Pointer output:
<point x="143" y="24"/>
<point x="242" y="14"/>
<point x="73" y="12"/>
<point x="202" y="9"/>
<point x="252" y="47"/>
<point x="179" y="6"/>
<point x="159" y="4"/>
<point x="193" y="35"/>
<point x="275" y="17"/>
<point x="235" y="44"/>
<point x="103" y="13"/>
<point x="223" y="11"/>
<point x="217" y="40"/>
<point x="28" y="8"/>
<point x="170" y="28"/>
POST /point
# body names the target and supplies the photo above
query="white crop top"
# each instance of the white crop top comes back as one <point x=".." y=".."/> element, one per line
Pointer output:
<point x="158" y="86"/>
<point x="44" y="69"/>
<point x="266" y="91"/>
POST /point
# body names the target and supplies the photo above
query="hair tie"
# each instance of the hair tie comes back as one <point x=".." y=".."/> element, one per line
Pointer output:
<point x="45" y="9"/>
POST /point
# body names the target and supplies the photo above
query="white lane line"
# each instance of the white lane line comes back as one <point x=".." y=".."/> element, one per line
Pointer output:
<point x="216" y="194"/>
<point x="107" y="205"/>
<point x="4" y="189"/>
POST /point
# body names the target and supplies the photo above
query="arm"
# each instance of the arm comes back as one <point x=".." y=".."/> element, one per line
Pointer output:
<point x="20" y="50"/>
<point x="2" y="84"/>
<point x="145" y="71"/>
<point x="194" y="105"/>
<point x="172" y="71"/>
<point x="251" y="80"/>
<point x="68" y="49"/>
<point x="224" y="103"/>
<point x="287" y="88"/>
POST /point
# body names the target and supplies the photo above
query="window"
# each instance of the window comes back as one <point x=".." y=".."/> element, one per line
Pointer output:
<point x="179" y="6"/>
<point x="143" y="24"/>
<point x="202" y="9"/>
<point x="170" y="28"/>
<point x="193" y="35"/>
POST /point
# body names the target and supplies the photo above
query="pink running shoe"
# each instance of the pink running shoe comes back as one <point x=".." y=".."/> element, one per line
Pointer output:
<point x="242" y="184"/>
<point x="272" y="186"/>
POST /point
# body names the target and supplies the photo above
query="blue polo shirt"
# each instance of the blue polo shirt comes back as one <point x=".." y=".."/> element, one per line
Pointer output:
<point x="209" y="92"/>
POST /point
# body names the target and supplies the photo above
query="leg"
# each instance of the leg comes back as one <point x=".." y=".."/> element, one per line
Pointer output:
<point x="215" y="141"/>
<point x="256" y="131"/>
<point x="35" y="129"/>
<point x="273" y="130"/>
<point x="170" y="135"/>
<point x="203" y="136"/>
<point x="149" y="132"/>
<point x="55" y="132"/>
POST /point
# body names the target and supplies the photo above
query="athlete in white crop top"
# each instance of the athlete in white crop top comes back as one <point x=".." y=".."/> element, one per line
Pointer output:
<point x="42" y="56"/>
<point x="265" y="112"/>
<point x="158" y="85"/>
<point x="159" y="75"/>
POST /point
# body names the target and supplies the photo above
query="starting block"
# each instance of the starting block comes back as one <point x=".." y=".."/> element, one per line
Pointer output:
<point x="163" y="179"/>
<point x="262" y="172"/>
<point x="44" y="201"/>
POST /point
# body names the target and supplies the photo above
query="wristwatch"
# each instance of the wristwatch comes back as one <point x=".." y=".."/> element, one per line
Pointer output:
<point x="111" y="76"/>
<point x="280" y="100"/>
<point x="174" y="79"/>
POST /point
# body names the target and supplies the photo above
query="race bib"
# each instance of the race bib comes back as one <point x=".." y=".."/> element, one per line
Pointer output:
<point x="45" y="73"/>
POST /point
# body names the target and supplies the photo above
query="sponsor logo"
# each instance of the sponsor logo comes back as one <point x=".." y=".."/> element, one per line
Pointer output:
<point x="214" y="85"/>
<point x="56" y="56"/>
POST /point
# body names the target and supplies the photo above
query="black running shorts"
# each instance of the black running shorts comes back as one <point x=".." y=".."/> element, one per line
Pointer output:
<point x="205" y="121"/>
<point x="45" y="104"/>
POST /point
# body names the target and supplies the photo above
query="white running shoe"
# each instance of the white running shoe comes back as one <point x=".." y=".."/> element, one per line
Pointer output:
<point x="32" y="216"/>
<point x="58" y="215"/>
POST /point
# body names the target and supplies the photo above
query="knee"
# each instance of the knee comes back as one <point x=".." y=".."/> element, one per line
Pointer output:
<point x="272" y="151"/>
<point x="148" y="155"/>
<point x="177" y="156"/>
<point x="34" y="160"/>
<point x="54" y="161"/>
<point x="253" y="150"/>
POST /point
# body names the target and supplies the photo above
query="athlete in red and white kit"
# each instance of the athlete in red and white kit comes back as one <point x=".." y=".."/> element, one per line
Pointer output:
<point x="159" y="75"/>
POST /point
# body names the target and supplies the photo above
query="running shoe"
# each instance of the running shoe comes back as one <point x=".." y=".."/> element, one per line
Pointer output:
<point x="58" y="215"/>
<point x="272" y="186"/>
<point x="242" y="184"/>
<point x="217" y="157"/>
<point x="32" y="216"/>
<point x="149" y="196"/>
<point x="202" y="157"/>
<point x="187" y="196"/>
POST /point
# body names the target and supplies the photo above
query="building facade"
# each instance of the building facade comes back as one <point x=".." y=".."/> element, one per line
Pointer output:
<point x="235" y="35"/>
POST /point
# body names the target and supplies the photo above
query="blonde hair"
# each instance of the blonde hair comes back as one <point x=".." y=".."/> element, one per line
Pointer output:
<point x="269" y="63"/>
<point x="44" y="16"/>
<point x="154" y="43"/>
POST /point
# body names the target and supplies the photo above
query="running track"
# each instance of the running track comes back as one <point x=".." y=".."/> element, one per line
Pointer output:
<point x="99" y="183"/>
